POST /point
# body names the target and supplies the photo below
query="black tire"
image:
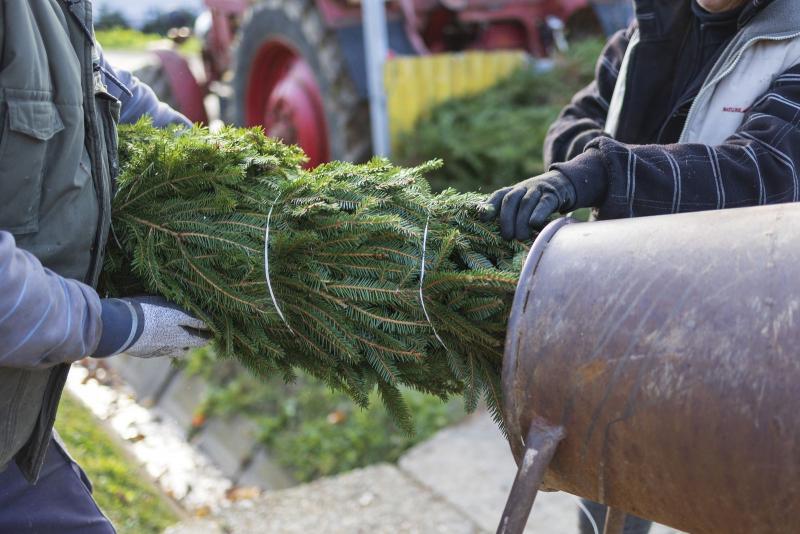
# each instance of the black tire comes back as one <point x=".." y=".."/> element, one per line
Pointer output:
<point x="299" y="23"/>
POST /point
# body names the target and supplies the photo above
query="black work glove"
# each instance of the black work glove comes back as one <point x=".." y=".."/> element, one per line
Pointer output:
<point x="525" y="207"/>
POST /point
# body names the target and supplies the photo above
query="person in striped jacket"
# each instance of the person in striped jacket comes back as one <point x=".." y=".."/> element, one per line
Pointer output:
<point x="696" y="106"/>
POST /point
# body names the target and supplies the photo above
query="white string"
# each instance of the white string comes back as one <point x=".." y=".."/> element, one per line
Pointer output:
<point x="589" y="516"/>
<point x="114" y="233"/>
<point x="422" y="281"/>
<point x="266" y="266"/>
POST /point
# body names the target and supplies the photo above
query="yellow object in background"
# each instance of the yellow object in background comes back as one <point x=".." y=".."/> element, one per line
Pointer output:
<point x="415" y="84"/>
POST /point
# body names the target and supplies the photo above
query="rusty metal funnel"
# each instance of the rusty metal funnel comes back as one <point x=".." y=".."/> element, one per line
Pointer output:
<point x="666" y="353"/>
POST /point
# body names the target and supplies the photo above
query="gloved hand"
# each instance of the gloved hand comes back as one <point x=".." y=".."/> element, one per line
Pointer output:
<point x="148" y="327"/>
<point x="526" y="206"/>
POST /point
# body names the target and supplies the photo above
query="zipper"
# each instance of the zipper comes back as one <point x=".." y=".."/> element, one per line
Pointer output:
<point x="717" y="79"/>
<point x="93" y="83"/>
<point x="673" y="115"/>
<point x="95" y="86"/>
<point x="617" y="104"/>
<point x="681" y="100"/>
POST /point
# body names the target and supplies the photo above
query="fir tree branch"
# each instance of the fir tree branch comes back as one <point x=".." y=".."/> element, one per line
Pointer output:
<point x="345" y="253"/>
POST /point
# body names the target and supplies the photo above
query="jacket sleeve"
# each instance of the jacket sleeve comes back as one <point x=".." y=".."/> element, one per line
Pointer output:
<point x="584" y="119"/>
<point x="756" y="165"/>
<point x="137" y="98"/>
<point x="44" y="319"/>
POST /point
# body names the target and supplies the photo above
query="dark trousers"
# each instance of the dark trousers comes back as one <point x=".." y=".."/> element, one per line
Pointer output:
<point x="633" y="524"/>
<point x="60" y="502"/>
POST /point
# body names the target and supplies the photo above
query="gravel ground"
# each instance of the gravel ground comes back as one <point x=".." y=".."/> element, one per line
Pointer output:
<point x="158" y="444"/>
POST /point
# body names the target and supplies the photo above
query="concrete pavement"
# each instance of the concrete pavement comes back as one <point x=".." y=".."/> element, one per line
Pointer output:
<point x="457" y="482"/>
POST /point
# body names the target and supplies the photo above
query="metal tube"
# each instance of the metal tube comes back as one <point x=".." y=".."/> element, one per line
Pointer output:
<point x="668" y="348"/>
<point x="539" y="449"/>
<point x="376" y="48"/>
<point x="615" y="521"/>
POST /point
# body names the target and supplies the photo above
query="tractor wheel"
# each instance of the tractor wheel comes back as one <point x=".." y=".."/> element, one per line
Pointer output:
<point x="291" y="78"/>
<point x="171" y="79"/>
<point x="154" y="76"/>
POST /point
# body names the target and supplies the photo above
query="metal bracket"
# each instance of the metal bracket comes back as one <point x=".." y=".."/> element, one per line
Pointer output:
<point x="615" y="521"/>
<point x="540" y="446"/>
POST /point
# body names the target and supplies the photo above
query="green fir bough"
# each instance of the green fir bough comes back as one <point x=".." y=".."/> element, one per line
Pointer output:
<point x="190" y="218"/>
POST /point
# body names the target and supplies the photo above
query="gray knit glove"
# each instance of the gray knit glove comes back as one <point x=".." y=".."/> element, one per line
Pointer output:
<point x="148" y="327"/>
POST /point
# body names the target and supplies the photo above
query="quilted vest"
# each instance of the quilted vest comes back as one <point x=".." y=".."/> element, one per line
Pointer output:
<point x="57" y="152"/>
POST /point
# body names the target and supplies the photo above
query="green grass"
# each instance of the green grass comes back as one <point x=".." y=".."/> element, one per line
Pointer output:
<point x="130" y="500"/>
<point x="126" y="39"/>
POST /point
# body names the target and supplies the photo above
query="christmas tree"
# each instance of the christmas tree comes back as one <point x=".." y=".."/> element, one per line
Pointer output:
<point x="356" y="274"/>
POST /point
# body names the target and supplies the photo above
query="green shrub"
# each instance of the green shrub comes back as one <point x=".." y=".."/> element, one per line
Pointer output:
<point x="495" y="138"/>
<point x="309" y="429"/>
<point x="109" y="17"/>
<point x="161" y="22"/>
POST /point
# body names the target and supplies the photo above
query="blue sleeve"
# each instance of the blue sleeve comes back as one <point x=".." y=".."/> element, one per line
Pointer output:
<point x="45" y="319"/>
<point x="138" y="99"/>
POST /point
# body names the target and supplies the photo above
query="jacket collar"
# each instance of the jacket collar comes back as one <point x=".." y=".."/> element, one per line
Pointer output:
<point x="752" y="9"/>
<point x="658" y="19"/>
<point x="768" y="18"/>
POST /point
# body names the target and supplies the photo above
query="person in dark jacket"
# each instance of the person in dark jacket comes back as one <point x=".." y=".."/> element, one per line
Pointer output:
<point x="691" y="109"/>
<point x="60" y="103"/>
<point x="695" y="106"/>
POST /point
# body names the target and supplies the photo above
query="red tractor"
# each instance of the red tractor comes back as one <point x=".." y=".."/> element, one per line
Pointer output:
<point x="297" y="67"/>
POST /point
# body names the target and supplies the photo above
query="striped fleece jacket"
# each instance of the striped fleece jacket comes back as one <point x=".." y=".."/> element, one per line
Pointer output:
<point x="740" y="147"/>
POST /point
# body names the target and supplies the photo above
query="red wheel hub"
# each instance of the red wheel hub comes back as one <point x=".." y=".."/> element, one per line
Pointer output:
<point x="283" y="96"/>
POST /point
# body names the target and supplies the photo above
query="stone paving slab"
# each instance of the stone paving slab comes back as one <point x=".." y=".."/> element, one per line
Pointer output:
<point x="470" y="465"/>
<point x="182" y="397"/>
<point x="374" y="500"/>
<point x="146" y="377"/>
<point x="264" y="472"/>
<point x="455" y="483"/>
<point x="230" y="441"/>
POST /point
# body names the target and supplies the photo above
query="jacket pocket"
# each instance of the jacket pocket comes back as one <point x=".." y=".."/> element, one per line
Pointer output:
<point x="29" y="120"/>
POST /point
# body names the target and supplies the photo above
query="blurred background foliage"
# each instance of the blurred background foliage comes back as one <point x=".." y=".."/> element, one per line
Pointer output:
<point x="310" y="430"/>
<point x="128" y="40"/>
<point x="121" y="38"/>
<point x="495" y="138"/>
